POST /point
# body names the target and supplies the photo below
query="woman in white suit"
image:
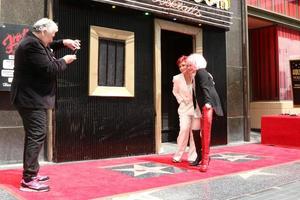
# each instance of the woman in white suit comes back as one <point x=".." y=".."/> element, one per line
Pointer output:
<point x="188" y="116"/>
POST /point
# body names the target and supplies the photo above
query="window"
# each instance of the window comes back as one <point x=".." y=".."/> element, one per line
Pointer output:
<point x="111" y="62"/>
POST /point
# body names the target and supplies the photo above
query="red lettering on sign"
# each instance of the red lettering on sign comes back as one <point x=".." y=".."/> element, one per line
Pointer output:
<point x="12" y="40"/>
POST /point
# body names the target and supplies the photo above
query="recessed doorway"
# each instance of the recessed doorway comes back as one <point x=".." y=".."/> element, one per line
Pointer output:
<point x="173" y="45"/>
<point x="171" y="40"/>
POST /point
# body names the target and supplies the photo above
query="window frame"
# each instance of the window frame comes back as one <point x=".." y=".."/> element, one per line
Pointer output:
<point x="96" y="33"/>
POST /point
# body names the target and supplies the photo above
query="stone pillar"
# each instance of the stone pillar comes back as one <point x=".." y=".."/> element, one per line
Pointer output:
<point x="237" y="75"/>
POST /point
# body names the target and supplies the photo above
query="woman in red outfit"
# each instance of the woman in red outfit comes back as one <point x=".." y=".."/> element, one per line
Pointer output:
<point x="208" y="101"/>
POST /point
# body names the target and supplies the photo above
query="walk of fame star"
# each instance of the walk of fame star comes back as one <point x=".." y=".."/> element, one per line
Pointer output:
<point x="246" y="175"/>
<point x="235" y="157"/>
<point x="146" y="170"/>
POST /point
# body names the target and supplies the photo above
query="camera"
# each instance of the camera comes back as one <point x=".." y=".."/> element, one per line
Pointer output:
<point x="75" y="51"/>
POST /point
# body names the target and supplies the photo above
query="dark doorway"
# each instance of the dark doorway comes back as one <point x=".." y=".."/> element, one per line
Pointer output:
<point x="173" y="45"/>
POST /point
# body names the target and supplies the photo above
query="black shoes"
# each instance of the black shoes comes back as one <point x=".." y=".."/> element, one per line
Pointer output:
<point x="196" y="162"/>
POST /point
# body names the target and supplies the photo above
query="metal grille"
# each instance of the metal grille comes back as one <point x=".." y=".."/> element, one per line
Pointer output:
<point x="90" y="127"/>
<point x="111" y="62"/>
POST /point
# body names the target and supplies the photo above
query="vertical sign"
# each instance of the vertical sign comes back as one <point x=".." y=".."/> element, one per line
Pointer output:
<point x="10" y="35"/>
<point x="295" y="77"/>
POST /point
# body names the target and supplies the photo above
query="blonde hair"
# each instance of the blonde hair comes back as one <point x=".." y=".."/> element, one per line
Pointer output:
<point x="197" y="60"/>
<point x="45" y="24"/>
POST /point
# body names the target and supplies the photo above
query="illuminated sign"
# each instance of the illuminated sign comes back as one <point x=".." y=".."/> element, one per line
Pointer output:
<point x="211" y="12"/>
<point x="222" y="4"/>
<point x="180" y="6"/>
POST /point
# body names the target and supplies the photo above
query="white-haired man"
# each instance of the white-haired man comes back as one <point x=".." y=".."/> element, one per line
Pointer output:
<point x="33" y="92"/>
<point x="208" y="101"/>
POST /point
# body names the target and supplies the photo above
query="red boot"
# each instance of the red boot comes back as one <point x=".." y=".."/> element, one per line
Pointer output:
<point x="206" y="121"/>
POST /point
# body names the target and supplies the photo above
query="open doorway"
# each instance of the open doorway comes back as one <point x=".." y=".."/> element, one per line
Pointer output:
<point x="173" y="45"/>
<point x="171" y="41"/>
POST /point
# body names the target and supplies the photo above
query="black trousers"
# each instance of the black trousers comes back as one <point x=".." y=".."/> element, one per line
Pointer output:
<point x="35" y="126"/>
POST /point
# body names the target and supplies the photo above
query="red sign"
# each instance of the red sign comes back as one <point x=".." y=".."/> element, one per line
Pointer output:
<point x="12" y="39"/>
<point x="10" y="36"/>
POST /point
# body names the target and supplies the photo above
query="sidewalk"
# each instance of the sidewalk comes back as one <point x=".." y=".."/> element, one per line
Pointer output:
<point x="270" y="182"/>
<point x="274" y="183"/>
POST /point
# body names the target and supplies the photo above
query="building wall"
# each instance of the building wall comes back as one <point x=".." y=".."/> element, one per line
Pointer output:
<point x="28" y="11"/>
<point x="11" y="130"/>
<point x="21" y="11"/>
<point x="96" y="126"/>
<point x="237" y="77"/>
<point x="285" y="16"/>
<point x="288" y="8"/>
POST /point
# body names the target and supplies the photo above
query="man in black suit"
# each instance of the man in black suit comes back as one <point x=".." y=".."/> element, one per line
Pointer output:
<point x="33" y="92"/>
<point x="208" y="101"/>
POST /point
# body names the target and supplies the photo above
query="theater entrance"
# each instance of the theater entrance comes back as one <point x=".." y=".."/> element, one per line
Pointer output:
<point x="172" y="40"/>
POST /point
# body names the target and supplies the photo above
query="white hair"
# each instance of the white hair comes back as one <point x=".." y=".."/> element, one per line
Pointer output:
<point x="197" y="60"/>
<point x="45" y="24"/>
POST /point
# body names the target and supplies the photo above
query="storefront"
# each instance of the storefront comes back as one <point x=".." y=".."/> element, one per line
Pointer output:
<point x="128" y="108"/>
<point x="274" y="40"/>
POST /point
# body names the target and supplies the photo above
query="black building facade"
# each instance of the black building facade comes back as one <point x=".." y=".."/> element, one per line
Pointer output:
<point x="99" y="126"/>
<point x="130" y="110"/>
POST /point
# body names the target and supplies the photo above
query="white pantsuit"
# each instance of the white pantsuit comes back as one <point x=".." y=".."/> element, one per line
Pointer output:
<point x="188" y="117"/>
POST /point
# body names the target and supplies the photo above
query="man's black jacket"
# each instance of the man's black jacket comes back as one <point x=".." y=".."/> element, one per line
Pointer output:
<point x="34" y="82"/>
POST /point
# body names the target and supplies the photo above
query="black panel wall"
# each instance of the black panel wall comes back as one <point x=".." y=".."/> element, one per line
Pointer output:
<point x="100" y="127"/>
<point x="214" y="51"/>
